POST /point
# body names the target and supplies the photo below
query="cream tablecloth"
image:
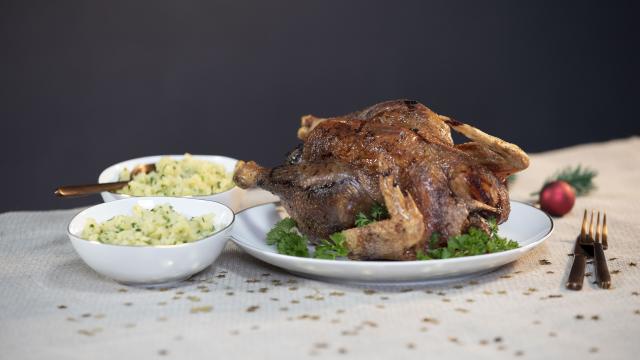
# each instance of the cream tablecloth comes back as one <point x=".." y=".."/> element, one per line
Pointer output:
<point x="52" y="306"/>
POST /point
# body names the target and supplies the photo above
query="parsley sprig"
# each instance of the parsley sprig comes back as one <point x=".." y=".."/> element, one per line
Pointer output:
<point x="474" y="242"/>
<point x="378" y="212"/>
<point x="289" y="241"/>
<point x="335" y="247"/>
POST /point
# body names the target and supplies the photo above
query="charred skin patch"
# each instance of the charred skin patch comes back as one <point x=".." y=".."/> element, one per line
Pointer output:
<point x="295" y="156"/>
<point x="411" y="103"/>
<point x="453" y="123"/>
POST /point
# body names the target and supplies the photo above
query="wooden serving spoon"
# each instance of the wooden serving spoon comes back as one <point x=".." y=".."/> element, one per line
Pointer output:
<point x="82" y="190"/>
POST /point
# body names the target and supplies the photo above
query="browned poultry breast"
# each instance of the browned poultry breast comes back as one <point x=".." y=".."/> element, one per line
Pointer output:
<point x="399" y="153"/>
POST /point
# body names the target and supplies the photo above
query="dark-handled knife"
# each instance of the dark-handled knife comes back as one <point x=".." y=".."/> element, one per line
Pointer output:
<point x="576" y="275"/>
<point x="603" y="278"/>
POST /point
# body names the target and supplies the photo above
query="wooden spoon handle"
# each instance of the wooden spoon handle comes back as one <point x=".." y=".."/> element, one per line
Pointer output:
<point x="82" y="190"/>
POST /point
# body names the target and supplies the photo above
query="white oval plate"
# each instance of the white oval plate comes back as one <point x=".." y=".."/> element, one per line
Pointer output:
<point x="527" y="225"/>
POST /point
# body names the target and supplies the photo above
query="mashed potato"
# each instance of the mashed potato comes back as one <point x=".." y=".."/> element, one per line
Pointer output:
<point x="159" y="226"/>
<point x="185" y="177"/>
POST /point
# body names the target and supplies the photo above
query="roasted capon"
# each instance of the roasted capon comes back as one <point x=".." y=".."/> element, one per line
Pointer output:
<point x="397" y="153"/>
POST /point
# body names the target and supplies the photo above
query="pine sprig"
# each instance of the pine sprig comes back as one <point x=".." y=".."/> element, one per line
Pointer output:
<point x="580" y="178"/>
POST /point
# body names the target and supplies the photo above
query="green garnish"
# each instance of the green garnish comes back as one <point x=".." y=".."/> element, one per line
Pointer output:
<point x="420" y="255"/>
<point x="362" y="220"/>
<point x="474" y="242"/>
<point x="378" y="212"/>
<point x="334" y="247"/>
<point x="287" y="239"/>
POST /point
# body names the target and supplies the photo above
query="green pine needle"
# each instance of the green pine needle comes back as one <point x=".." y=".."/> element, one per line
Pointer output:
<point x="580" y="178"/>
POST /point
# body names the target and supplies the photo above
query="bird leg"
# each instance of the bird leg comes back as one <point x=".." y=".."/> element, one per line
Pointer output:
<point x="247" y="174"/>
<point x="390" y="239"/>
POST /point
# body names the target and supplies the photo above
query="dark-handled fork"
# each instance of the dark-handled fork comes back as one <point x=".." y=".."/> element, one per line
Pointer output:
<point x="576" y="275"/>
<point x="603" y="278"/>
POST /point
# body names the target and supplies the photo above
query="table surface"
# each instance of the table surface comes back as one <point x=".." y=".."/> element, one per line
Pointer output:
<point x="53" y="306"/>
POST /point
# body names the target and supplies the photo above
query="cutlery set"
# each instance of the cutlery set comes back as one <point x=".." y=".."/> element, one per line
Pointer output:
<point x="590" y="246"/>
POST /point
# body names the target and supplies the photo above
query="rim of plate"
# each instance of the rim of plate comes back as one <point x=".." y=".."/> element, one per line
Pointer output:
<point x="140" y="160"/>
<point x="233" y="219"/>
<point x="402" y="263"/>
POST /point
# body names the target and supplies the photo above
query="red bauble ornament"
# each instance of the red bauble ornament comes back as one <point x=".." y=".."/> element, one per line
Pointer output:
<point x="557" y="198"/>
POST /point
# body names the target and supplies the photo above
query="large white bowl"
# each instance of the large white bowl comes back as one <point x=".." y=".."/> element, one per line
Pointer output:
<point x="229" y="197"/>
<point x="139" y="265"/>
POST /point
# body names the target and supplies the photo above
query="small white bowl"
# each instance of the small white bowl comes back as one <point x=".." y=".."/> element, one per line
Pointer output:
<point x="229" y="197"/>
<point x="138" y="265"/>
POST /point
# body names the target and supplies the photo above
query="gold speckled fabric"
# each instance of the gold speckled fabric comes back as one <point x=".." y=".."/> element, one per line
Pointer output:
<point x="52" y="306"/>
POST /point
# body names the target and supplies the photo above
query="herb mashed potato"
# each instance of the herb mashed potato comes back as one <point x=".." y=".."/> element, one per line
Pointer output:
<point x="185" y="177"/>
<point x="159" y="226"/>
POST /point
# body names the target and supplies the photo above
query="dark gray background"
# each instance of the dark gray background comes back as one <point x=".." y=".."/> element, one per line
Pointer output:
<point x="89" y="83"/>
